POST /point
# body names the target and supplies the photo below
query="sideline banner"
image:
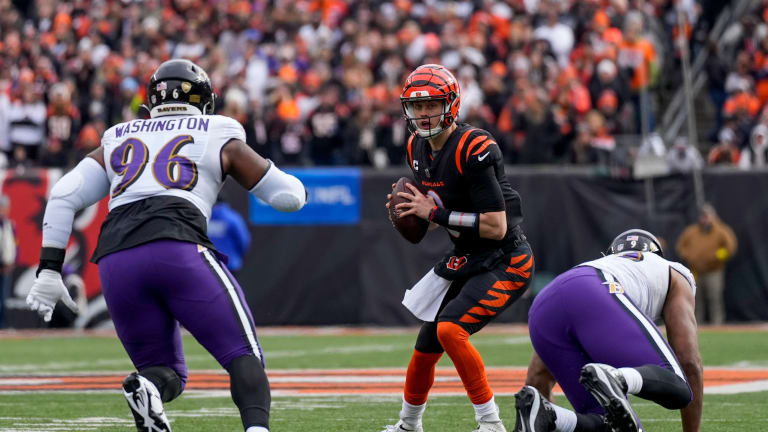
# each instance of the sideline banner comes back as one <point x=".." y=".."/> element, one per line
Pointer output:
<point x="28" y="191"/>
<point x="334" y="199"/>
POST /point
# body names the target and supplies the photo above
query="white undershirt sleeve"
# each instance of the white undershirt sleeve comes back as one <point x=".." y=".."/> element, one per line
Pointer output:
<point x="280" y="190"/>
<point x="85" y="185"/>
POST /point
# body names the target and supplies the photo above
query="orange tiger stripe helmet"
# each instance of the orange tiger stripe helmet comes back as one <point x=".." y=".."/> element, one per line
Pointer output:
<point x="431" y="82"/>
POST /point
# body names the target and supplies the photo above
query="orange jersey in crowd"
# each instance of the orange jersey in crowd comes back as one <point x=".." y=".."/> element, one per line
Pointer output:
<point x="638" y="56"/>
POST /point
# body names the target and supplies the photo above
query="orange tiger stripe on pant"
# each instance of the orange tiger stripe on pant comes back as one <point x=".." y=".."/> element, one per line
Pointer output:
<point x="498" y="299"/>
<point x="521" y="270"/>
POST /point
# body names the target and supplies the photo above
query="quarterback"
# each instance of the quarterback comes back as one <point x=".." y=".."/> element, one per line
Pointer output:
<point x="462" y="171"/>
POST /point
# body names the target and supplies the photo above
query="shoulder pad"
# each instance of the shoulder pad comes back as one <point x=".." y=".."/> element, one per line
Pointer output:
<point x="683" y="270"/>
<point x="477" y="149"/>
<point x="227" y="128"/>
<point x="116" y="131"/>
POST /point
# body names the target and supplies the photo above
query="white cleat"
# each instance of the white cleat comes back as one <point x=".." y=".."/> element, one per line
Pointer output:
<point x="145" y="403"/>
<point x="484" y="426"/>
<point x="402" y="426"/>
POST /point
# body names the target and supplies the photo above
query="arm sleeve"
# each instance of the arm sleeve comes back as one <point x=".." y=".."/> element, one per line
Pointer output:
<point x="280" y="190"/>
<point x="85" y="185"/>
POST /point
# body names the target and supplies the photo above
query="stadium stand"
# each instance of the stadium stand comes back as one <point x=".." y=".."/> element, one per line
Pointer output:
<point x="315" y="82"/>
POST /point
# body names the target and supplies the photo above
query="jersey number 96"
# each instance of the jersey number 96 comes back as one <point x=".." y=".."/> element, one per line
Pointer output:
<point x="170" y="169"/>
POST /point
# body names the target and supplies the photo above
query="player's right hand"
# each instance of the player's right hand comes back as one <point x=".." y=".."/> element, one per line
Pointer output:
<point x="48" y="289"/>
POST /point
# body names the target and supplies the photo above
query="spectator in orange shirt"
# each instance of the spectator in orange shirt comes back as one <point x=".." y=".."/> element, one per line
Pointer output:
<point x="638" y="58"/>
<point x="636" y="53"/>
<point x="725" y="151"/>
<point x="606" y="39"/>
<point x="741" y="103"/>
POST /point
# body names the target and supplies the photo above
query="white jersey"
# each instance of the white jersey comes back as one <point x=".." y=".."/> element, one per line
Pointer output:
<point x="177" y="155"/>
<point x="643" y="276"/>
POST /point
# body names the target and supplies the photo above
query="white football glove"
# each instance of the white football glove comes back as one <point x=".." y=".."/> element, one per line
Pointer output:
<point x="46" y="291"/>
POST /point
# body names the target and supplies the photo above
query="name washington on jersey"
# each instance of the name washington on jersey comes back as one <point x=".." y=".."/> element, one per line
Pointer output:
<point x="157" y="125"/>
<point x="165" y="174"/>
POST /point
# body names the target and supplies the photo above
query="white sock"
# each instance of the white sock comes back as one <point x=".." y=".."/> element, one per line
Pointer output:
<point x="566" y="419"/>
<point x="488" y="411"/>
<point x="412" y="413"/>
<point x="257" y="429"/>
<point x="633" y="378"/>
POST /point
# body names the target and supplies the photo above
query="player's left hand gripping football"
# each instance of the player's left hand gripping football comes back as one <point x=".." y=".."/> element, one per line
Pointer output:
<point x="419" y="205"/>
<point x="48" y="289"/>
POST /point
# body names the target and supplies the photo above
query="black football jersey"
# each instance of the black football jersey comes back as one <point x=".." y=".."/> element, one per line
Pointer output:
<point x="466" y="175"/>
<point x="149" y="219"/>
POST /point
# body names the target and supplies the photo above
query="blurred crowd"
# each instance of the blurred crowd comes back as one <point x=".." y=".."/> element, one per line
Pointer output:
<point x="316" y="82"/>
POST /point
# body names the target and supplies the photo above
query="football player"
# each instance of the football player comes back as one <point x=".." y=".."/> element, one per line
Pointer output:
<point x="593" y="331"/>
<point x="461" y="170"/>
<point x="158" y="269"/>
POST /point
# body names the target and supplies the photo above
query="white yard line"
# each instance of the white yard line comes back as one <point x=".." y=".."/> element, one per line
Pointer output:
<point x="750" y="387"/>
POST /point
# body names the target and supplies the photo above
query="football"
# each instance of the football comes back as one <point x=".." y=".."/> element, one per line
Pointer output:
<point x="412" y="227"/>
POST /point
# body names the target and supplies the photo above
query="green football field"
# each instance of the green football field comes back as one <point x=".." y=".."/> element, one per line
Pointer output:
<point x="311" y="393"/>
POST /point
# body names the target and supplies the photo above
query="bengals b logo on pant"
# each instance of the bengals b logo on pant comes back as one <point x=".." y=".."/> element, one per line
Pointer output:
<point x="455" y="263"/>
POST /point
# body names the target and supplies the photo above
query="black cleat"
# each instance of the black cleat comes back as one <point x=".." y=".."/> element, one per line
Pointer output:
<point x="534" y="413"/>
<point x="607" y="385"/>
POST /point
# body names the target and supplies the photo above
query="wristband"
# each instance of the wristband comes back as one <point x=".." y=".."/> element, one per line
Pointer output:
<point x="455" y="220"/>
<point x="51" y="258"/>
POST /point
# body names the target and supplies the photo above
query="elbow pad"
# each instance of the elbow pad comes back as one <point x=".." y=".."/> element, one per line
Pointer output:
<point x="280" y="190"/>
<point x="85" y="185"/>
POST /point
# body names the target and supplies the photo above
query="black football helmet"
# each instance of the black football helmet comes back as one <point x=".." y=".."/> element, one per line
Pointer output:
<point x="179" y="81"/>
<point x="637" y="240"/>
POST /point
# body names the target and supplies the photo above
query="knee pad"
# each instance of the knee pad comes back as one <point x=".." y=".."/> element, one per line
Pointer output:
<point x="449" y="333"/>
<point x="167" y="381"/>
